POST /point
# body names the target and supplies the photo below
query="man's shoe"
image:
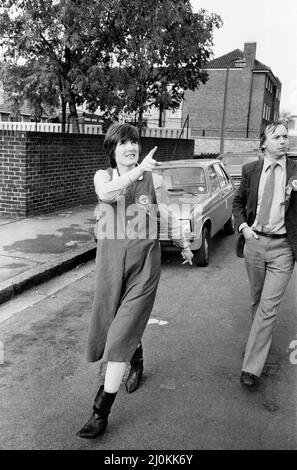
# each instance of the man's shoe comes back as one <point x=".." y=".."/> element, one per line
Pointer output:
<point x="249" y="380"/>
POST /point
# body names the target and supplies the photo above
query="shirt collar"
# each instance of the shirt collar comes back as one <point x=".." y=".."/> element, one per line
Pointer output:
<point x="281" y="162"/>
<point x="115" y="175"/>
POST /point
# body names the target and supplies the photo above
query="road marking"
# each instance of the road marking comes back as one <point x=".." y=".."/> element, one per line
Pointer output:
<point x="153" y="321"/>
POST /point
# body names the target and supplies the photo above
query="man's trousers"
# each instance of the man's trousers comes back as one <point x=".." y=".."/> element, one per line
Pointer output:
<point x="269" y="264"/>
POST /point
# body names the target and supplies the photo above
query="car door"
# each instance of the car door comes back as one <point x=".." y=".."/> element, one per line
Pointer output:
<point x="226" y="191"/>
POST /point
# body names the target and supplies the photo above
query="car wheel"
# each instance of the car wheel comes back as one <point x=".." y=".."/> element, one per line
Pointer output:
<point x="229" y="226"/>
<point x="201" y="256"/>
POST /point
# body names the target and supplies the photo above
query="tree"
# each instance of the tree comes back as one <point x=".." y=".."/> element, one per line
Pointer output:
<point x="285" y="115"/>
<point x="30" y="85"/>
<point x="121" y="55"/>
<point x="163" y="47"/>
<point x="54" y="44"/>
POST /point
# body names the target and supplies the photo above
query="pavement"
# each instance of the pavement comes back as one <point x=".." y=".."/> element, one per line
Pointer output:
<point x="35" y="249"/>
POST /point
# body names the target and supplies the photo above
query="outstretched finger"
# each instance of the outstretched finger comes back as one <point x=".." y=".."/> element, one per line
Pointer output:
<point x="152" y="152"/>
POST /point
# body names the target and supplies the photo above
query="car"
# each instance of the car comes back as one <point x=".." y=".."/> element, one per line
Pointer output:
<point x="200" y="195"/>
<point x="292" y="154"/>
<point x="234" y="162"/>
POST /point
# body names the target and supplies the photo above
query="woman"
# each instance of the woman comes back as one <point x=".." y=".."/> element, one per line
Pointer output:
<point x="128" y="265"/>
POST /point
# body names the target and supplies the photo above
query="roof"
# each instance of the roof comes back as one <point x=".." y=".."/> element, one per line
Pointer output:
<point x="24" y="110"/>
<point x="223" y="61"/>
<point x="7" y="110"/>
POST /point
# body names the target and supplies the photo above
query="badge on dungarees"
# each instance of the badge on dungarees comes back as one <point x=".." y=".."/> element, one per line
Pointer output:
<point x="144" y="200"/>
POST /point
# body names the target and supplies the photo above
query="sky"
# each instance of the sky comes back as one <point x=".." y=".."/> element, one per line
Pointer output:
<point x="272" y="24"/>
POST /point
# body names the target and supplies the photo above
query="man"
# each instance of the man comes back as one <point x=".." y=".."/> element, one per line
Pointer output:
<point x="265" y="210"/>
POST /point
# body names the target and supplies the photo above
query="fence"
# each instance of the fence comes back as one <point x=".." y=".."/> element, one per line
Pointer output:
<point x="165" y="133"/>
<point x="197" y="132"/>
<point x="49" y="127"/>
<point x="94" y="129"/>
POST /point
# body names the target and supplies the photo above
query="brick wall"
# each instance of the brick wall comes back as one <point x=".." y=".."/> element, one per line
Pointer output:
<point x="41" y="172"/>
<point x="60" y="170"/>
<point x="205" y="105"/>
<point x="257" y="100"/>
<point x="12" y="173"/>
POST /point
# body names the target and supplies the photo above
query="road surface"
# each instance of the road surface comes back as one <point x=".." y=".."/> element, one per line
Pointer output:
<point x="190" y="396"/>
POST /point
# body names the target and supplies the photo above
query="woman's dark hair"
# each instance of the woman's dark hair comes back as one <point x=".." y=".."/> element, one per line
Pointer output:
<point x="119" y="133"/>
<point x="270" y="127"/>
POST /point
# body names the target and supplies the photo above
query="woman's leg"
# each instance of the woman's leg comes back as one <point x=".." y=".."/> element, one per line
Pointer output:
<point x="113" y="376"/>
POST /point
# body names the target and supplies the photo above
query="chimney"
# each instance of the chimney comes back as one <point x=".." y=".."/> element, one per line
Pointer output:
<point x="250" y="54"/>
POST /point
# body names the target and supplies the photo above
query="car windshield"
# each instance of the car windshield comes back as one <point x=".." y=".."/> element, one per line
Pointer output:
<point x="239" y="159"/>
<point x="188" y="180"/>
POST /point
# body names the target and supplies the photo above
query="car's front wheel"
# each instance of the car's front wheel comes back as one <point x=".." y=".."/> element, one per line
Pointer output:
<point x="201" y="256"/>
<point x="229" y="226"/>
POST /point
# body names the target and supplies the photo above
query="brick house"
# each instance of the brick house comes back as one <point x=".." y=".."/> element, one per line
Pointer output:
<point x="253" y="97"/>
<point x="7" y="113"/>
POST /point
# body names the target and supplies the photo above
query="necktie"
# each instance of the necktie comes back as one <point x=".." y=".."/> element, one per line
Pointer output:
<point x="265" y="207"/>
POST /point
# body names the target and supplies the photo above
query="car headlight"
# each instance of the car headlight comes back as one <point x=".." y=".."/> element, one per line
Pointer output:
<point x="186" y="225"/>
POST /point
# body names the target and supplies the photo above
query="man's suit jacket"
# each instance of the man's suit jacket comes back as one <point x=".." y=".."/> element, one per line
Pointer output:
<point x="246" y="197"/>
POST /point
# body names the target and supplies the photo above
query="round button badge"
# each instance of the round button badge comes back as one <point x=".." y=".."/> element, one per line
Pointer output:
<point x="143" y="199"/>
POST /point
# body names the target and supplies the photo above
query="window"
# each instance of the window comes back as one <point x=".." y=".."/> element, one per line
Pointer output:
<point x="214" y="182"/>
<point x="266" y="112"/>
<point x="268" y="84"/>
<point x="185" y="179"/>
<point x="227" y="176"/>
<point x="221" y="175"/>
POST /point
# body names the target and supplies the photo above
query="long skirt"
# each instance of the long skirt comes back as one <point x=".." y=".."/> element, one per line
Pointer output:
<point x="127" y="277"/>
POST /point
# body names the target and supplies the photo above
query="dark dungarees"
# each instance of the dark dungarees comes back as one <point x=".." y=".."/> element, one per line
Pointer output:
<point x="127" y="276"/>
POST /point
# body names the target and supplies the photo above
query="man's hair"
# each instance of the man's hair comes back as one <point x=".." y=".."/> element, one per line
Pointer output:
<point x="271" y="127"/>
<point x="119" y="133"/>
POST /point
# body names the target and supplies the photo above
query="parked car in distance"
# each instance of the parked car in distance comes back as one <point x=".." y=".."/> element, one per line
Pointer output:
<point x="234" y="162"/>
<point x="292" y="154"/>
<point x="200" y="195"/>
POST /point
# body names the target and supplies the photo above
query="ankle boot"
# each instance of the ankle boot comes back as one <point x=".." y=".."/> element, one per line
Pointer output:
<point x="98" y="421"/>
<point x="136" y="370"/>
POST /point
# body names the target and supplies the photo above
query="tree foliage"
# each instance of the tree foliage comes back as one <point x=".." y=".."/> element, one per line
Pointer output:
<point x="32" y="85"/>
<point x="163" y="47"/>
<point x="54" y="43"/>
<point x="121" y="55"/>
